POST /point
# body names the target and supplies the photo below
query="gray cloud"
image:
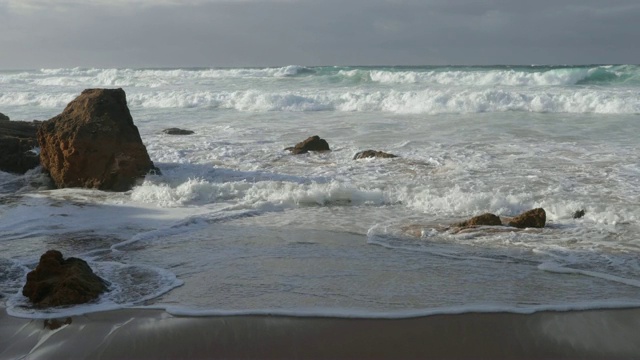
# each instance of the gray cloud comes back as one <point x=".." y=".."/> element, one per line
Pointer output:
<point x="328" y="32"/>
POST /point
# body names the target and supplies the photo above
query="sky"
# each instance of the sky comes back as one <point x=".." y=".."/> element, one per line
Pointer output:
<point x="214" y="33"/>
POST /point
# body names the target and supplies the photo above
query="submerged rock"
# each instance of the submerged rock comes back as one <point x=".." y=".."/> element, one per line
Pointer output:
<point x="17" y="140"/>
<point x="535" y="218"/>
<point x="578" y="214"/>
<point x="486" y="219"/>
<point x="93" y="143"/>
<point x="373" y="154"/>
<point x="177" y="131"/>
<point x="3" y="117"/>
<point x="313" y="143"/>
<point x="58" y="282"/>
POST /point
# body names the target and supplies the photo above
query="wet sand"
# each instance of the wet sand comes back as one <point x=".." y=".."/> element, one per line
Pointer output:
<point x="154" y="334"/>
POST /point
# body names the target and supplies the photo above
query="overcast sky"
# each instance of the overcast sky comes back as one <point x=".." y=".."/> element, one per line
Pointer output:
<point x="208" y="33"/>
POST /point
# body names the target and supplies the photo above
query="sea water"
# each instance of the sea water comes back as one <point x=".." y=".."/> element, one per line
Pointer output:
<point x="236" y="225"/>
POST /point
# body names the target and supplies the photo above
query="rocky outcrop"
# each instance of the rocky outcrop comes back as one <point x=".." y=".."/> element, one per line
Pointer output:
<point x="486" y="219"/>
<point x="535" y="218"/>
<point x="177" y="131"/>
<point x="314" y="143"/>
<point x="373" y="154"/>
<point x="3" y="117"/>
<point x="58" y="282"/>
<point x="93" y="143"/>
<point x="578" y="214"/>
<point x="17" y="140"/>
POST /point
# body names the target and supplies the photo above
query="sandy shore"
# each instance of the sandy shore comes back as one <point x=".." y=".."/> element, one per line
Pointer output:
<point x="154" y="334"/>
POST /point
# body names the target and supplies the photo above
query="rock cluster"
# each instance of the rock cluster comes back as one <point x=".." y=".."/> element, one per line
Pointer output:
<point x="58" y="282"/>
<point x="535" y="218"/>
<point x="93" y="143"/>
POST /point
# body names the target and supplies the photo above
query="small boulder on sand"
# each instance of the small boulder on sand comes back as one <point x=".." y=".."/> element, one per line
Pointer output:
<point x="58" y="282"/>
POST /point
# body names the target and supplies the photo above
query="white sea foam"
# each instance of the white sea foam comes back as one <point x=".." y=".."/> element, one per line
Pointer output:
<point x="436" y="92"/>
<point x="482" y="78"/>
<point x="257" y="194"/>
<point x="430" y="101"/>
<point x="77" y="77"/>
<point x="400" y="314"/>
<point x="556" y="268"/>
<point x="36" y="99"/>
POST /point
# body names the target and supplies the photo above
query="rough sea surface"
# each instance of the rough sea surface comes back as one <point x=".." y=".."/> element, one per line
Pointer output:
<point x="237" y="225"/>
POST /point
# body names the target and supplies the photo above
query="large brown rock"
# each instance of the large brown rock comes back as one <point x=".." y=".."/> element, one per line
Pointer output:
<point x="313" y="143"/>
<point x="535" y="218"/>
<point x="17" y="140"/>
<point x="373" y="154"/>
<point x="93" y="143"/>
<point x="58" y="282"/>
<point x="486" y="219"/>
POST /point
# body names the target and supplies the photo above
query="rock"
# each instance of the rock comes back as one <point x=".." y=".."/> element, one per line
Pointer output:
<point x="314" y="143"/>
<point x="486" y="219"/>
<point x="17" y="140"/>
<point x="578" y="214"/>
<point x="535" y="218"/>
<point x="54" y="324"/>
<point x="177" y="131"/>
<point x="93" y="143"/>
<point x="58" y="282"/>
<point x="373" y="154"/>
<point x="3" y="117"/>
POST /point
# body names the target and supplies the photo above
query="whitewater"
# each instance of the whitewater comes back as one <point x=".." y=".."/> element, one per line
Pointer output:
<point x="236" y="225"/>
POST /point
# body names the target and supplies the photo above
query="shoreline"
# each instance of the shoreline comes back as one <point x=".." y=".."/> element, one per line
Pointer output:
<point x="148" y="333"/>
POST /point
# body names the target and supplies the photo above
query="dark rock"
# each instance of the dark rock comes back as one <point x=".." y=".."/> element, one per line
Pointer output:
<point x="93" y="143"/>
<point x="373" y="154"/>
<point x="3" y="117"/>
<point x="578" y="214"/>
<point x="314" y="143"/>
<point x="177" y="131"/>
<point x="58" y="282"/>
<point x="54" y="324"/>
<point x="17" y="140"/>
<point x="535" y="218"/>
<point x="486" y="219"/>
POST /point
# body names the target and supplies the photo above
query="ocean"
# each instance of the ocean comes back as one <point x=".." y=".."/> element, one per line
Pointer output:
<point x="236" y="225"/>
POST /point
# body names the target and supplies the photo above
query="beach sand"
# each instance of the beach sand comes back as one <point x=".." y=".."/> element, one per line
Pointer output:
<point x="154" y="334"/>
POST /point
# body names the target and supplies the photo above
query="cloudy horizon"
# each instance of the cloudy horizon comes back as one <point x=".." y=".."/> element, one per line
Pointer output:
<point x="222" y="33"/>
